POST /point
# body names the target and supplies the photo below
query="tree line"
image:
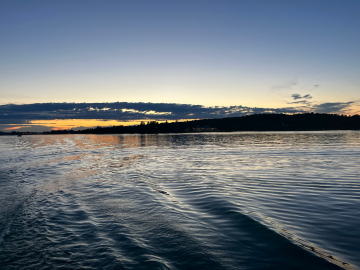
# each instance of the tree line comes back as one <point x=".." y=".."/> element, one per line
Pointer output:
<point x="256" y="122"/>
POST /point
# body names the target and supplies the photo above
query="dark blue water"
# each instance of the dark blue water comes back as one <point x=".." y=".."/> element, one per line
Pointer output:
<point x="287" y="200"/>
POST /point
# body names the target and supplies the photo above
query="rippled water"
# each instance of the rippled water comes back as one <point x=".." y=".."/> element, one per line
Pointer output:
<point x="286" y="200"/>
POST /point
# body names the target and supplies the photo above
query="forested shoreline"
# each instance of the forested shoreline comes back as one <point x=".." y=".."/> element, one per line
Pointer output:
<point x="256" y="122"/>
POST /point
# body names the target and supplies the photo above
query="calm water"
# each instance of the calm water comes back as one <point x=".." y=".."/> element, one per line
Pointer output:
<point x="286" y="200"/>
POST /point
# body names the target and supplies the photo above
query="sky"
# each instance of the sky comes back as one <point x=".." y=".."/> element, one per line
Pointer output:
<point x="77" y="64"/>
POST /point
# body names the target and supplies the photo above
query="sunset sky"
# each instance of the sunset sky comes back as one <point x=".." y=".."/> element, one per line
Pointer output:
<point x="76" y="64"/>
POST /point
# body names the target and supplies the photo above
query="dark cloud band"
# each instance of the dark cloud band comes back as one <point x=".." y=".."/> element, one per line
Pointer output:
<point x="124" y="111"/>
<point x="333" y="107"/>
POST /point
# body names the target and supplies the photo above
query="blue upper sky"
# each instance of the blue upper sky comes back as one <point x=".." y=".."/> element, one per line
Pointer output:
<point x="256" y="53"/>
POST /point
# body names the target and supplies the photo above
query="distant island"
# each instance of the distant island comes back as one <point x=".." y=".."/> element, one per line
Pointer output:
<point x="255" y="122"/>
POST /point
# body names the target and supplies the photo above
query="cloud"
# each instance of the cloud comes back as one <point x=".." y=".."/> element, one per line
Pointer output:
<point x="315" y="86"/>
<point x="297" y="96"/>
<point x="12" y="121"/>
<point x="285" y="85"/>
<point x="24" y="115"/>
<point x="124" y="111"/>
<point x="332" y="107"/>
<point x="305" y="102"/>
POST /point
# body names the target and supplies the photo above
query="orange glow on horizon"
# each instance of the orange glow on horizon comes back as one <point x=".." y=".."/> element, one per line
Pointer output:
<point x="60" y="124"/>
<point x="11" y="128"/>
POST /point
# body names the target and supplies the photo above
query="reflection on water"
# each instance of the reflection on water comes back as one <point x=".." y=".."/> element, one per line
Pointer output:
<point x="253" y="200"/>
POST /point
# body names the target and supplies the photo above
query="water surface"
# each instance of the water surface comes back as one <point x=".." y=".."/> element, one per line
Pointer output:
<point x="256" y="200"/>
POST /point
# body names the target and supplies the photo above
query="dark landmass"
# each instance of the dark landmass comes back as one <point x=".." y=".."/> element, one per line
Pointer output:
<point x="256" y="122"/>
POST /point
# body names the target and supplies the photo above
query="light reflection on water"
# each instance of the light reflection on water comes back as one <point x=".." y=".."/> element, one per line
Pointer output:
<point x="252" y="200"/>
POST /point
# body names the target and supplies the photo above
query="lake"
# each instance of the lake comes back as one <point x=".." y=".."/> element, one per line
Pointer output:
<point x="243" y="200"/>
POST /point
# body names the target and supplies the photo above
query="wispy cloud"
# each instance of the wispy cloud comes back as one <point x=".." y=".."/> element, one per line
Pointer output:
<point x="305" y="102"/>
<point x="285" y="86"/>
